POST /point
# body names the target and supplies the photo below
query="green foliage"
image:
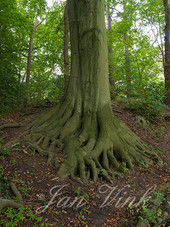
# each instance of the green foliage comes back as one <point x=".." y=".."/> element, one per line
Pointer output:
<point x="124" y="167"/>
<point x="12" y="29"/>
<point x="47" y="59"/>
<point x="3" y="151"/>
<point x="16" y="28"/>
<point x="3" y="186"/>
<point x="55" y="88"/>
<point x="156" y="150"/>
<point x="149" y="109"/>
<point x="84" y="210"/>
<point x="11" y="92"/>
<point x="142" y="24"/>
<point x="42" y="88"/>
<point x="152" y="216"/>
<point x="82" y="194"/>
<point x="12" y="217"/>
<point x="150" y="102"/>
<point x="81" y="216"/>
<point x="47" y="67"/>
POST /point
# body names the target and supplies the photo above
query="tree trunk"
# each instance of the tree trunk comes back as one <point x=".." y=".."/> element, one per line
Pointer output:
<point x="167" y="50"/>
<point x="66" y="58"/>
<point x="28" y="72"/>
<point x="94" y="140"/>
<point x="29" y="64"/>
<point x="127" y="60"/>
<point x="29" y="59"/>
<point x="110" y="57"/>
<point x="127" y="67"/>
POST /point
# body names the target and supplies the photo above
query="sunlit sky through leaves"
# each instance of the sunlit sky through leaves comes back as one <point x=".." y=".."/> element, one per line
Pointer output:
<point x="50" y="2"/>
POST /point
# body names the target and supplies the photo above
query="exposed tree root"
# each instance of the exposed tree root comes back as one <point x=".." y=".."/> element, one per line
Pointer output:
<point x="94" y="145"/>
<point x="9" y="203"/>
<point x="16" y="125"/>
<point x="13" y="125"/>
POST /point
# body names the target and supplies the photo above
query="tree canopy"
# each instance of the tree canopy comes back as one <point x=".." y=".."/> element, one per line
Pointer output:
<point x="129" y="22"/>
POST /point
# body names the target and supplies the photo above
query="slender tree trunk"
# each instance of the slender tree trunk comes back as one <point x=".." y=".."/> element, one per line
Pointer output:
<point x="94" y="140"/>
<point x="30" y="56"/>
<point x="66" y="58"/>
<point x="110" y="57"/>
<point x="127" y="54"/>
<point x="127" y="66"/>
<point x="167" y="50"/>
<point x="28" y="72"/>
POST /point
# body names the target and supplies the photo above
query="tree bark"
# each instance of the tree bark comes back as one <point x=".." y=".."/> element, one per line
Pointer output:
<point x="66" y="58"/>
<point x="127" y="66"/>
<point x="127" y="60"/>
<point x="94" y="140"/>
<point x="167" y="50"/>
<point x="110" y="57"/>
<point x="28" y="72"/>
<point x="30" y="55"/>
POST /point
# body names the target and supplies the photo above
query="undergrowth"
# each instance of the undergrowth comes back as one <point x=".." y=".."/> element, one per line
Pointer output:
<point x="150" y="109"/>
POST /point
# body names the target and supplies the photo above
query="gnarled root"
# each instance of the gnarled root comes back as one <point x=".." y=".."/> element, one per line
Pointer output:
<point x="16" y="125"/>
<point x="9" y="203"/>
<point x="13" y="125"/>
<point x="95" y="143"/>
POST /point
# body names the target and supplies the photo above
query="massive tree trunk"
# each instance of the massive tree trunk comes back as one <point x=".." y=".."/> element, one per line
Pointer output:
<point x="66" y="58"/>
<point x="167" y="50"/>
<point x="94" y="140"/>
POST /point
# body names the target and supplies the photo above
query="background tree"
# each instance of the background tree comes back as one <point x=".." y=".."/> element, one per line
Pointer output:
<point x="127" y="53"/>
<point x="110" y="52"/>
<point x="152" y="19"/>
<point x="167" y="50"/>
<point x="34" y="10"/>
<point x="47" y="79"/>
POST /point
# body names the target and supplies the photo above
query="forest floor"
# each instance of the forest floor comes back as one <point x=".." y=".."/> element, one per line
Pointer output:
<point x="103" y="204"/>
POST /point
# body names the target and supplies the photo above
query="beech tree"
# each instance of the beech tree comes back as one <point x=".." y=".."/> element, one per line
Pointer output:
<point x="127" y="53"/>
<point x="95" y="141"/>
<point x="66" y="58"/>
<point x="34" y="9"/>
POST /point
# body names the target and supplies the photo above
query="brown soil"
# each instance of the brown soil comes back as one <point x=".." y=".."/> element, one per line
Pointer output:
<point x="35" y="180"/>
